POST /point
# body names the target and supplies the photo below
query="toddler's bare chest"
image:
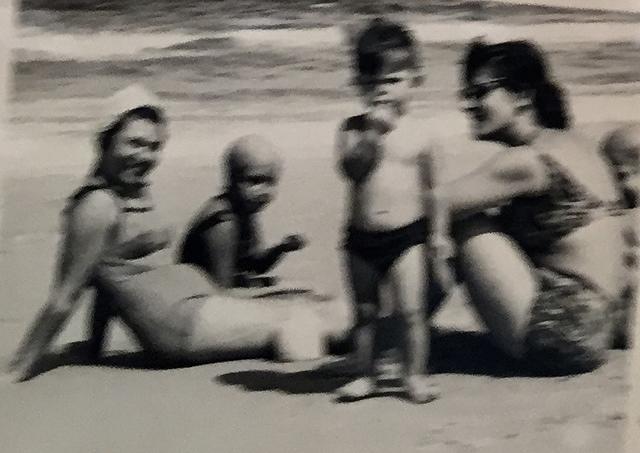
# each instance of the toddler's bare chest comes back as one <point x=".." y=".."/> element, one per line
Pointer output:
<point x="403" y="146"/>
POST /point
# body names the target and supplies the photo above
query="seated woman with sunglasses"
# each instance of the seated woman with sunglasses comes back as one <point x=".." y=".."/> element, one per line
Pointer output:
<point x="544" y="273"/>
<point x="114" y="244"/>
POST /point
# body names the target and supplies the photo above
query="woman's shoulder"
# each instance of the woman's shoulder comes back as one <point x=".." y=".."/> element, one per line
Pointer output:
<point x="99" y="205"/>
<point x="559" y="142"/>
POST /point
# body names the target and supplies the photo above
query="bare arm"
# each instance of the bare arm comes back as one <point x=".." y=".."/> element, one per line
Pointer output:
<point x="357" y="152"/>
<point x="505" y="176"/>
<point x="265" y="259"/>
<point x="438" y="231"/>
<point x="87" y="235"/>
<point x="222" y="241"/>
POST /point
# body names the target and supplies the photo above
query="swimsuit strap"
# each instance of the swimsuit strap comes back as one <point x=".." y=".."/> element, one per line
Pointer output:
<point x="124" y="206"/>
<point x="562" y="184"/>
<point x="92" y="184"/>
<point x="95" y="182"/>
<point x="571" y="194"/>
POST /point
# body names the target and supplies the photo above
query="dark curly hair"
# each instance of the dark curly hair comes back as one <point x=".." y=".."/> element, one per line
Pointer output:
<point x="376" y="42"/>
<point x="523" y="68"/>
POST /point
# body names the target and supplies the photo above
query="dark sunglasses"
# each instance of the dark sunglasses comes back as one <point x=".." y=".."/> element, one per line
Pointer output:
<point x="142" y="143"/>
<point x="480" y="90"/>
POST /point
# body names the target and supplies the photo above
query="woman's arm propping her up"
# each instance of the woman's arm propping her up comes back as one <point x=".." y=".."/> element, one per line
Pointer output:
<point x="88" y="230"/>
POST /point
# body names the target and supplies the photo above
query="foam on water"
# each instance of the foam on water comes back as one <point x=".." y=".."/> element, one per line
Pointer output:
<point x="34" y="43"/>
<point x="602" y="5"/>
<point x="77" y="46"/>
<point x="455" y="31"/>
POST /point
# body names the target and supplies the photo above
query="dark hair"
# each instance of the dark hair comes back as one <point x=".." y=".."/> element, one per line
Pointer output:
<point x="522" y="67"/>
<point x="374" y="45"/>
<point x="106" y="137"/>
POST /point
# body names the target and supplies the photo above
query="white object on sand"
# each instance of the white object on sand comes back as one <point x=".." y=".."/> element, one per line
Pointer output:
<point x="301" y="336"/>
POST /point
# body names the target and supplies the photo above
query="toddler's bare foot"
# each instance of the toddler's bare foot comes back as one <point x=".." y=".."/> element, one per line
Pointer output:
<point x="356" y="390"/>
<point x="421" y="390"/>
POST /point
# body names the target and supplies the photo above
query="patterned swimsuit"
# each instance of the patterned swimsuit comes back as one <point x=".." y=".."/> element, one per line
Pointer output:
<point x="571" y="321"/>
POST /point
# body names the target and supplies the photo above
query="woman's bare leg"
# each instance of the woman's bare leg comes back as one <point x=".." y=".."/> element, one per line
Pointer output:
<point x="500" y="281"/>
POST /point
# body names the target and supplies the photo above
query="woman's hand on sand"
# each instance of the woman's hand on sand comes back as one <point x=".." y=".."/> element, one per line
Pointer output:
<point x="9" y="377"/>
<point x="293" y="243"/>
<point x="18" y="369"/>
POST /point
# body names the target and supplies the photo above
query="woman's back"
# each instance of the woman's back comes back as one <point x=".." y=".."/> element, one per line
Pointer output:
<point x="583" y="216"/>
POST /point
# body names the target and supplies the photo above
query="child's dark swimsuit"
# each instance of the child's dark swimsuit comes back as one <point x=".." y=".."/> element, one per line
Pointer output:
<point x="382" y="248"/>
<point x="570" y="326"/>
<point x="196" y="249"/>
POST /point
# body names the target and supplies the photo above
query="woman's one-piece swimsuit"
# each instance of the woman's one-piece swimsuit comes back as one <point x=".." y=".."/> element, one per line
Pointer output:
<point x="161" y="315"/>
<point x="570" y="326"/>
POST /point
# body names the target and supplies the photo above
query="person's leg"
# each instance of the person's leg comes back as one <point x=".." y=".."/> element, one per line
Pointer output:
<point x="364" y="279"/>
<point x="500" y="281"/>
<point x="625" y="307"/>
<point x="407" y="281"/>
<point x="623" y="317"/>
<point x="101" y="314"/>
<point x="570" y="327"/>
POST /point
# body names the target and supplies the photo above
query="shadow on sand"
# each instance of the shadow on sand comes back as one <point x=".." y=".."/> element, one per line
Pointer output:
<point x="75" y="354"/>
<point x="453" y="352"/>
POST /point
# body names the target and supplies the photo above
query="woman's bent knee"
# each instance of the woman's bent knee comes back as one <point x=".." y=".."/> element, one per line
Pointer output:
<point x="570" y="328"/>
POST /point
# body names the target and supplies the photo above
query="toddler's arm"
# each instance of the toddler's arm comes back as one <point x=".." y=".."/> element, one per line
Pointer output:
<point x="357" y="151"/>
<point x="264" y="260"/>
<point x="222" y="241"/>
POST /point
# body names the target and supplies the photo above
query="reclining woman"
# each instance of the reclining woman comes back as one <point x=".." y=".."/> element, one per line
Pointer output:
<point x="113" y="243"/>
<point x="546" y="272"/>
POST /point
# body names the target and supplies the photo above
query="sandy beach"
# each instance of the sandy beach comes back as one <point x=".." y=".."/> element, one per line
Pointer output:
<point x="260" y="406"/>
<point x="128" y="407"/>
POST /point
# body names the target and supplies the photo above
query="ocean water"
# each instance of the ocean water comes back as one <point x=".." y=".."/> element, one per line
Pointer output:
<point x="279" y="59"/>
